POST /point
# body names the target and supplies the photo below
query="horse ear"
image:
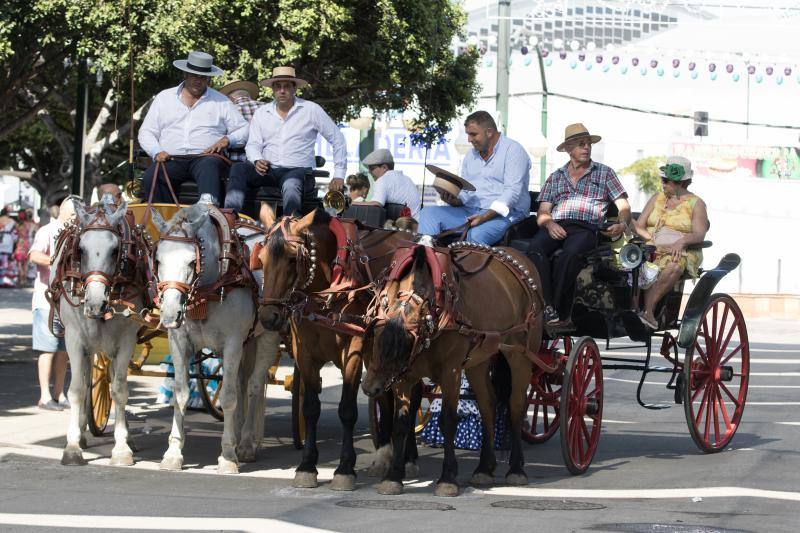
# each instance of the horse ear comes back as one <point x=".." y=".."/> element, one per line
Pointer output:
<point x="83" y="216"/>
<point x="197" y="217"/>
<point x="158" y="221"/>
<point x="305" y="222"/>
<point x="115" y="217"/>
<point x="266" y="215"/>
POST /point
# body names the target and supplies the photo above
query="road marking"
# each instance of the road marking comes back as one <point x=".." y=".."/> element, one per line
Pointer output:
<point x="789" y="423"/>
<point x="649" y="494"/>
<point x="156" y="523"/>
<point x="609" y="421"/>
<point x="658" y="357"/>
<point x="752" y="349"/>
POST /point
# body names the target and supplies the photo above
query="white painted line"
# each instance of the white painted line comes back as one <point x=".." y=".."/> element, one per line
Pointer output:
<point x="155" y="523"/>
<point x="609" y="421"/>
<point x="777" y="374"/>
<point x="789" y="423"/>
<point x="658" y="357"/>
<point x="649" y="494"/>
<point x="772" y="403"/>
<point x="752" y="349"/>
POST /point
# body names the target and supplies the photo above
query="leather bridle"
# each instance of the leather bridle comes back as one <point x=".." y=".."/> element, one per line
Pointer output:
<point x="187" y="290"/>
<point x="306" y="266"/>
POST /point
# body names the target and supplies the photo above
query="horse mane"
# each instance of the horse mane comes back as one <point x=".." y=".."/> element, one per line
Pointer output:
<point x="276" y="244"/>
<point x="395" y="345"/>
<point x="321" y="217"/>
<point x="422" y="277"/>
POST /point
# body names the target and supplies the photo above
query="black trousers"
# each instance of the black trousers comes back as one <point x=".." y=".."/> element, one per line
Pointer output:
<point x="559" y="274"/>
<point x="207" y="172"/>
<point x="293" y="181"/>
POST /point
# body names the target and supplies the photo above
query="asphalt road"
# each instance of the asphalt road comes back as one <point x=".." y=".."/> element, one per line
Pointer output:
<point x="647" y="475"/>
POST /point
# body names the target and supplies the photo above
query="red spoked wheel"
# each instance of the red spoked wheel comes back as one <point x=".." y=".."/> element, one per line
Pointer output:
<point x="544" y="393"/>
<point x="581" y="405"/>
<point x="716" y="375"/>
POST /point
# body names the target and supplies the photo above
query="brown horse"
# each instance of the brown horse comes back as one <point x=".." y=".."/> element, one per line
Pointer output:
<point x="301" y="259"/>
<point x="435" y="320"/>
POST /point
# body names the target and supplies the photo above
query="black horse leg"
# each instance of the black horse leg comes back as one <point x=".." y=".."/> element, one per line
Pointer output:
<point x="311" y="411"/>
<point x="393" y="480"/>
<point x="517" y="407"/>
<point x="447" y="485"/>
<point x="412" y="454"/>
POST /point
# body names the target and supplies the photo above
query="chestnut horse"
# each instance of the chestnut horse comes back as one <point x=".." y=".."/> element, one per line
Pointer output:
<point x="437" y="316"/>
<point x="300" y="264"/>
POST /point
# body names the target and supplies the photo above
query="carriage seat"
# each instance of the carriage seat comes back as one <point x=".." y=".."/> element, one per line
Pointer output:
<point x="373" y="215"/>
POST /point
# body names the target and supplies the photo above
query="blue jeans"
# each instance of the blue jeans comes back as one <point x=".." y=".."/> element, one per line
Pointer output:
<point x="436" y="219"/>
<point x="244" y="177"/>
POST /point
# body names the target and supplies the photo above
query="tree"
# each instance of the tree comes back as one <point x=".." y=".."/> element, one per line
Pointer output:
<point x="389" y="55"/>
<point x="647" y="175"/>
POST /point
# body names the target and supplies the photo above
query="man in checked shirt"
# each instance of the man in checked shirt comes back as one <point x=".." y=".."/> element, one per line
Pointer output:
<point x="244" y="95"/>
<point x="572" y="209"/>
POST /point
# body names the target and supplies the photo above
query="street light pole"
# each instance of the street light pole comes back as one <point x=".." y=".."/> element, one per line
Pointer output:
<point x="543" y="159"/>
<point x="503" y="52"/>
<point x="82" y="104"/>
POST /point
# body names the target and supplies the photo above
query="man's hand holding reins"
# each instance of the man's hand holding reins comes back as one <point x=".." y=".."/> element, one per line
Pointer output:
<point x="162" y="157"/>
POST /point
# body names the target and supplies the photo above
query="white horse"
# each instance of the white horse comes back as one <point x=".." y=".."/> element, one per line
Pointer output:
<point x="187" y="257"/>
<point x="88" y="329"/>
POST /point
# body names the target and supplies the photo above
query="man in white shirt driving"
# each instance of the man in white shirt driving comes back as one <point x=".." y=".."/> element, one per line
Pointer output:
<point x="391" y="186"/>
<point x="280" y="149"/>
<point x="185" y="126"/>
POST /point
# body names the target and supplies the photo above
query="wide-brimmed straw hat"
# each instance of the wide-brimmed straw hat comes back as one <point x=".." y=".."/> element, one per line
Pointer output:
<point x="576" y="131"/>
<point x="677" y="169"/>
<point x="199" y="63"/>
<point x="448" y="182"/>
<point x="241" y="85"/>
<point x="284" y="74"/>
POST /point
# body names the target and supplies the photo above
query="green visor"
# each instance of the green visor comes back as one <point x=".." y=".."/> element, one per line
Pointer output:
<point x="673" y="172"/>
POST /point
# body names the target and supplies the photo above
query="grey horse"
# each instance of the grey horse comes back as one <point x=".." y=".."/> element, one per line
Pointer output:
<point x="87" y="332"/>
<point x="224" y="330"/>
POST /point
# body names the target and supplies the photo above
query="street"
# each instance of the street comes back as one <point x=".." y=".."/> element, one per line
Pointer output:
<point x="647" y="475"/>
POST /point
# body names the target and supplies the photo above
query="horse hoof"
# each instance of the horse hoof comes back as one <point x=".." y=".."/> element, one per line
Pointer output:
<point x="225" y="466"/>
<point x="481" y="479"/>
<point x="446" y="490"/>
<point x="73" y="457"/>
<point x="343" y="482"/>
<point x="305" y="480"/>
<point x="121" y="459"/>
<point x="246" y="455"/>
<point x="171" y="464"/>
<point x="389" y="488"/>
<point x="412" y="470"/>
<point x="516" y="479"/>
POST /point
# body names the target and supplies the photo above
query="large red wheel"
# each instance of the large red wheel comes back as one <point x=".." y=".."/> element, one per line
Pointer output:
<point x="716" y="375"/>
<point x="581" y="405"/>
<point x="544" y="393"/>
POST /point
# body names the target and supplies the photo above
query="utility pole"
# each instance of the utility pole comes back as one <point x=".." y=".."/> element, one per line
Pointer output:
<point x="543" y="159"/>
<point x="81" y="108"/>
<point x="503" y="52"/>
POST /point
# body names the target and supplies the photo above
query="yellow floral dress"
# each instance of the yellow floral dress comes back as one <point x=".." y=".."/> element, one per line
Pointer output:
<point x="678" y="219"/>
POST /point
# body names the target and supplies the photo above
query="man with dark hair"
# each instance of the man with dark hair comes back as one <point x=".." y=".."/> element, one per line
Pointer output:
<point x="499" y="170"/>
<point x="572" y="208"/>
<point x="185" y="126"/>
<point x="280" y="149"/>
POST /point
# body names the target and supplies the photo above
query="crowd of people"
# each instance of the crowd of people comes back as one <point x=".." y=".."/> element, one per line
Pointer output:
<point x="16" y="234"/>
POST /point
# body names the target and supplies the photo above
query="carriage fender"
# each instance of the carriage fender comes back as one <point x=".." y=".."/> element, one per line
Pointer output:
<point x="700" y="297"/>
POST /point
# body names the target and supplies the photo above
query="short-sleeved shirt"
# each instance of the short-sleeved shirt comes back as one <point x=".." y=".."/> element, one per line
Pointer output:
<point x="588" y="200"/>
<point x="394" y="187"/>
<point x="45" y="242"/>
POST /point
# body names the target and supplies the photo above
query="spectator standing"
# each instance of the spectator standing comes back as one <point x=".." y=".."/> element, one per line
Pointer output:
<point x="8" y="235"/>
<point x="26" y="228"/>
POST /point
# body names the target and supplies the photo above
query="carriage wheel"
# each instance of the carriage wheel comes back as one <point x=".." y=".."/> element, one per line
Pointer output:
<point x="98" y="399"/>
<point x="298" y="420"/>
<point x="581" y="405"/>
<point x="210" y="380"/>
<point x="716" y="375"/>
<point x="544" y="394"/>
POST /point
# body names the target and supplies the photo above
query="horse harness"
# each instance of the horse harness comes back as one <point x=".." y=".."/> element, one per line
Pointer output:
<point x="443" y="312"/>
<point x="233" y="271"/>
<point x="128" y="279"/>
<point x="351" y="277"/>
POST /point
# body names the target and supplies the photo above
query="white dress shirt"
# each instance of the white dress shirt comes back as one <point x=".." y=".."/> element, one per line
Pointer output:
<point x="394" y="187"/>
<point x="173" y="127"/>
<point x="290" y="141"/>
<point x="501" y="183"/>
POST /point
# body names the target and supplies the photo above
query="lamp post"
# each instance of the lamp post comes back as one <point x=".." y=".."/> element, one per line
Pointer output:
<point x="82" y="104"/>
<point x="543" y="158"/>
<point x="503" y="52"/>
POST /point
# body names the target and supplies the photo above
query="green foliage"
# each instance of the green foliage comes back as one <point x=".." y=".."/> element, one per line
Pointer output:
<point x="389" y="55"/>
<point x="646" y="171"/>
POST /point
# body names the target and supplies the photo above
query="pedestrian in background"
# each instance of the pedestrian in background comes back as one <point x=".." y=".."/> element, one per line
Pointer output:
<point x="26" y="229"/>
<point x="53" y="354"/>
<point x="8" y="235"/>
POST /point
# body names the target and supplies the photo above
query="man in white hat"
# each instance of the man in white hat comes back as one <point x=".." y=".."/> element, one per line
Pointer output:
<point x="391" y="186"/>
<point x="186" y="125"/>
<point x="280" y="149"/>
<point x="244" y="95"/>
<point x="572" y="210"/>
<point x="499" y="170"/>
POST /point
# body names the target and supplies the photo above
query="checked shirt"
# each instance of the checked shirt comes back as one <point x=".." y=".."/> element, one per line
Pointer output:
<point x="247" y="107"/>
<point x="588" y="200"/>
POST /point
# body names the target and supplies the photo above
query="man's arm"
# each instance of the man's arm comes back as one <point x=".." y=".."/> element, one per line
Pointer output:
<point x="149" y="130"/>
<point x="39" y="253"/>
<point x="544" y="219"/>
<point x="235" y="124"/>
<point x="331" y="133"/>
